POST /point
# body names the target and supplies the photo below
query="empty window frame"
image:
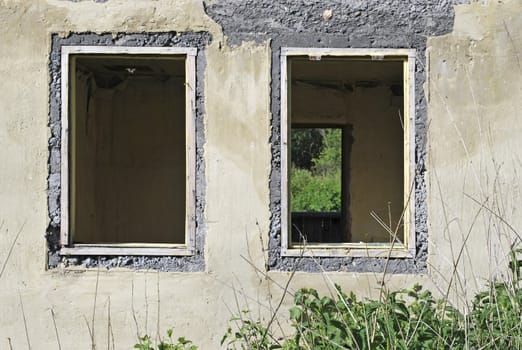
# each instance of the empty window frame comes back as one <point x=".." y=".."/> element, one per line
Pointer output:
<point x="347" y="143"/>
<point x="128" y="150"/>
<point x="317" y="185"/>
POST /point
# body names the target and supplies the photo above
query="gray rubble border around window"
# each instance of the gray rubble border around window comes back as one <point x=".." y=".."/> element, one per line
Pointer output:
<point x="193" y="263"/>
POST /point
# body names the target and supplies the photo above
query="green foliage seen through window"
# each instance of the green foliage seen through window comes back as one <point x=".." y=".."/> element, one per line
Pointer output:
<point x="316" y="169"/>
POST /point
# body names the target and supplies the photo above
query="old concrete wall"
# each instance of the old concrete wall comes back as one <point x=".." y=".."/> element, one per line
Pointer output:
<point x="473" y="88"/>
<point x="474" y="97"/>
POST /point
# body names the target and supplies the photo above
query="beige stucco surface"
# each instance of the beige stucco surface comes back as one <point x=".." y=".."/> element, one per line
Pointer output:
<point x="474" y="148"/>
<point x="475" y="95"/>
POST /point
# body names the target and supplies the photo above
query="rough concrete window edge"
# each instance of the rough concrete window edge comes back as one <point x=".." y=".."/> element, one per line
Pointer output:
<point x="69" y="247"/>
<point x="415" y="259"/>
<point x="398" y="250"/>
<point x="144" y="258"/>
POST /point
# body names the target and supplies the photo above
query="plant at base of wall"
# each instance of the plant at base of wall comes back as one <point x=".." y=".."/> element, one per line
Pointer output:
<point x="146" y="343"/>
<point x="390" y="323"/>
<point x="343" y="322"/>
<point x="496" y="317"/>
<point x="404" y="319"/>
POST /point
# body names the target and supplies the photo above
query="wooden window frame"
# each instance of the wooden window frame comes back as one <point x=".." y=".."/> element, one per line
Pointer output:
<point x="153" y="249"/>
<point x="405" y="249"/>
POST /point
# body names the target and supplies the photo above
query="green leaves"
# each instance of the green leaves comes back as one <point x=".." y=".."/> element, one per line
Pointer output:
<point x="404" y="319"/>
<point x="315" y="174"/>
<point x="315" y="193"/>
<point x="250" y="335"/>
<point x="326" y="323"/>
<point x="496" y="317"/>
<point x="146" y="343"/>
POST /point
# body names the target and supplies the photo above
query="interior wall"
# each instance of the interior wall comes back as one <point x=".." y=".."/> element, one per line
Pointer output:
<point x="83" y="164"/>
<point x="130" y="162"/>
<point x="376" y="159"/>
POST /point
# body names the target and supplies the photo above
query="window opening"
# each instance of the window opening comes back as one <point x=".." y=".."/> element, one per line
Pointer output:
<point x="346" y="125"/>
<point x="130" y="139"/>
<point x="318" y="180"/>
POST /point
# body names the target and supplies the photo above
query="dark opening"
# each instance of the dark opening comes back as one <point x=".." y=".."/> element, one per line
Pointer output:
<point x="127" y="163"/>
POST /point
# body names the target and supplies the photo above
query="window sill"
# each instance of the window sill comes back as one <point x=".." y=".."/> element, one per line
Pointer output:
<point x="355" y="250"/>
<point x="128" y="249"/>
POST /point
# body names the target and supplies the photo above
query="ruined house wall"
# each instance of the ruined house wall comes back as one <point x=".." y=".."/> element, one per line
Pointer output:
<point x="366" y="24"/>
<point x="474" y="101"/>
<point x="468" y="133"/>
